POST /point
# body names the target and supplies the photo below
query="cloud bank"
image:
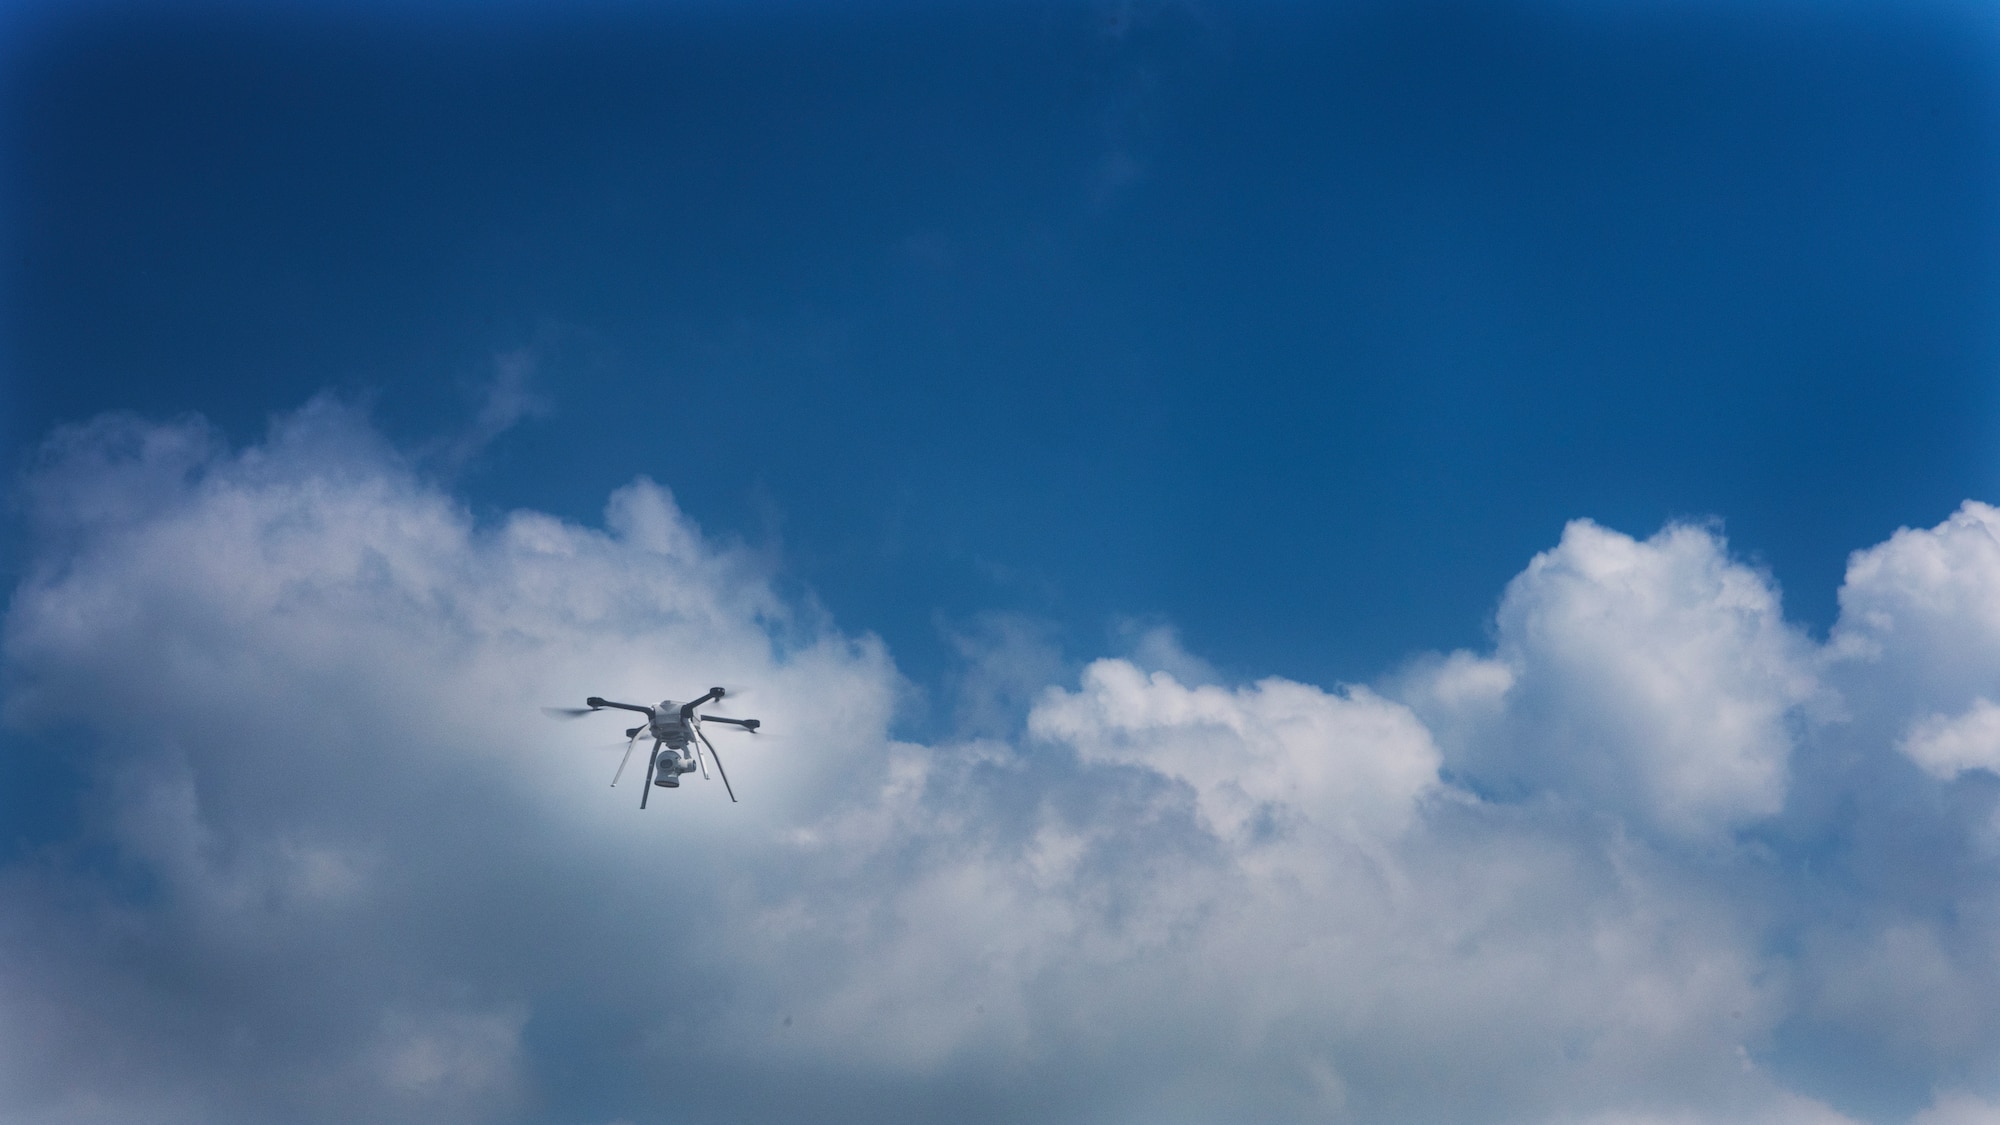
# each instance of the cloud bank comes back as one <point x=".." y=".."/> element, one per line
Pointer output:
<point x="1656" y="856"/>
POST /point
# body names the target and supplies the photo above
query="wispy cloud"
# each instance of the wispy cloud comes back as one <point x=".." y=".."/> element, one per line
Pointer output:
<point x="505" y="401"/>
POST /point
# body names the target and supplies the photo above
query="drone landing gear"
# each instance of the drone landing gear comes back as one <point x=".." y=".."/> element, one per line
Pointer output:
<point x="652" y="772"/>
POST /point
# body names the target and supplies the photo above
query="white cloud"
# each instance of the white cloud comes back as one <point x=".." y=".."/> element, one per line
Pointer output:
<point x="1354" y="762"/>
<point x="1958" y="1108"/>
<point x="1919" y="631"/>
<point x="1650" y="678"/>
<point x="451" y="1059"/>
<point x="305" y="685"/>
<point x="1948" y="746"/>
<point x="333" y="864"/>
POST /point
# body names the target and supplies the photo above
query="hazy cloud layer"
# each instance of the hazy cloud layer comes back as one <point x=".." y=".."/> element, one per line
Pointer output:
<point x="1656" y="857"/>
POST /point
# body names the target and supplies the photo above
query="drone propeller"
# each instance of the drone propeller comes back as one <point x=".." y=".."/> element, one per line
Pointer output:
<point x="727" y="691"/>
<point x="718" y="765"/>
<point x="568" y="712"/>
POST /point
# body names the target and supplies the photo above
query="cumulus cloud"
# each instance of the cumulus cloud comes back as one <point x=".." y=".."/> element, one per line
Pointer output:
<point x="1353" y="762"/>
<point x="1921" y="614"/>
<point x="1653" y="679"/>
<point x="1649" y="859"/>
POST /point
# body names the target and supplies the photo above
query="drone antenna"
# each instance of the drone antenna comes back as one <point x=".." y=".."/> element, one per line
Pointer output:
<point x="718" y="765"/>
<point x="699" y="760"/>
<point x="634" y="732"/>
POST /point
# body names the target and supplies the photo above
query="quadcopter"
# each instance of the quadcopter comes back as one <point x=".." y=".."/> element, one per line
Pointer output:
<point x="677" y="739"/>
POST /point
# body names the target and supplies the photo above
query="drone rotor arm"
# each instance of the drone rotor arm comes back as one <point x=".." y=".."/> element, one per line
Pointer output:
<point x="596" y="703"/>
<point x="687" y="709"/>
<point x="746" y="724"/>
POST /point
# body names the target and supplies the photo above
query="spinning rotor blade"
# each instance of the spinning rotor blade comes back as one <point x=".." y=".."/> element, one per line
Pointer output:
<point x="718" y="765"/>
<point x="708" y="698"/>
<point x="567" y="712"/>
<point x="721" y="692"/>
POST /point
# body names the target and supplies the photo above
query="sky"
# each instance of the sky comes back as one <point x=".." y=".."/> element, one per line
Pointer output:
<point x="1364" y="562"/>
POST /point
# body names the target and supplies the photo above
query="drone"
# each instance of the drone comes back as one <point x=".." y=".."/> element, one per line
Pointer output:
<point x="677" y="739"/>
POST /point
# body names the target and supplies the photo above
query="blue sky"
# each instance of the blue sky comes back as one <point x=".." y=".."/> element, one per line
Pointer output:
<point x="1067" y="310"/>
<point x="947" y="372"/>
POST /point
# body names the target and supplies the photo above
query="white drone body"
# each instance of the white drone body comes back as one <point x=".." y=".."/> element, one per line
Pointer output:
<point x="666" y="725"/>
<point x="677" y="739"/>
